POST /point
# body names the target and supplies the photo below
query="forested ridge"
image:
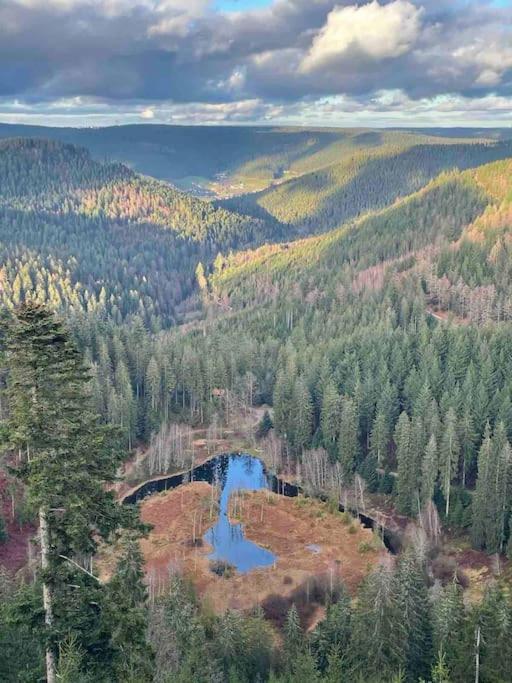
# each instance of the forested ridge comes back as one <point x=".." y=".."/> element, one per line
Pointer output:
<point x="93" y="237"/>
<point x="192" y="157"/>
<point x="336" y="334"/>
<point x="363" y="179"/>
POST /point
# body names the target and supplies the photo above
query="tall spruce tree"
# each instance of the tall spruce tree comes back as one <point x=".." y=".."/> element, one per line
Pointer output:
<point x="452" y="631"/>
<point x="482" y="490"/>
<point x="414" y="614"/>
<point x="405" y="471"/>
<point x="379" y="439"/>
<point x="378" y="635"/>
<point x="64" y="458"/>
<point x="330" y="416"/>
<point x="449" y="455"/>
<point x="348" y="445"/>
<point x="430" y="470"/>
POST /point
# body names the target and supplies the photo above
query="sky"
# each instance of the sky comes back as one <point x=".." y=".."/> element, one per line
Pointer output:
<point x="280" y="62"/>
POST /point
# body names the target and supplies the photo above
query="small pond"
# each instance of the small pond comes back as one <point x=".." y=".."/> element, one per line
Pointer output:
<point x="243" y="472"/>
<point x="232" y="472"/>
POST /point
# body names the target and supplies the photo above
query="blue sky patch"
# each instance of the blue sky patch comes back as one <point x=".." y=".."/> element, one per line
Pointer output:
<point x="239" y="5"/>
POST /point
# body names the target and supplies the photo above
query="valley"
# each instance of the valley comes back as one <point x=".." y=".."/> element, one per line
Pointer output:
<point x="338" y="327"/>
<point x="255" y="341"/>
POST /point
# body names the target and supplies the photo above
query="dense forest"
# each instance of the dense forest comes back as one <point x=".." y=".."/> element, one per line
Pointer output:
<point x="96" y="238"/>
<point x="380" y="348"/>
<point x="193" y="157"/>
<point x="366" y="178"/>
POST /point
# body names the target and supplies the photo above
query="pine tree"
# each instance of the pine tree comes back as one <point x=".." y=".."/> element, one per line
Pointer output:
<point x="406" y="473"/>
<point x="335" y="668"/>
<point x="467" y="439"/>
<point x="283" y="399"/>
<point x="378" y="633"/>
<point x="480" y="506"/>
<point x="304" y="669"/>
<point x="67" y="457"/>
<point x="430" y="470"/>
<point x="333" y="633"/>
<point x="414" y="614"/>
<point x="449" y="456"/>
<point x="495" y="621"/>
<point x="330" y="416"/>
<point x="379" y="439"/>
<point x="451" y="630"/>
<point x="264" y="426"/>
<point x="293" y="638"/>
<point x="301" y="417"/>
<point x="348" y="445"/>
<point x="440" y="672"/>
<point x="126" y="616"/>
<point x="498" y="501"/>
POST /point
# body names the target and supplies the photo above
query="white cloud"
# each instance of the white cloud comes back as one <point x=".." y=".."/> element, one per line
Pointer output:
<point x="377" y="31"/>
<point x="489" y="59"/>
<point x="147" y="113"/>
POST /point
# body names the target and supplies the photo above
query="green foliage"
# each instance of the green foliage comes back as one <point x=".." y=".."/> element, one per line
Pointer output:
<point x="71" y="658"/>
<point x="362" y="178"/>
<point x="92" y="238"/>
<point x="65" y="460"/>
<point x="264" y="426"/>
<point x="3" y="529"/>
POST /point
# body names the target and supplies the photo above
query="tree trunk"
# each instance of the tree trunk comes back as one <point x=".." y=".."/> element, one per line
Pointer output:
<point x="47" y="595"/>
<point x="477" y="655"/>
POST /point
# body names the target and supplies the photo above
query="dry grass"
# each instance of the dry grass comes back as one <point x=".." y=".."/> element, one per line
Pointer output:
<point x="285" y="526"/>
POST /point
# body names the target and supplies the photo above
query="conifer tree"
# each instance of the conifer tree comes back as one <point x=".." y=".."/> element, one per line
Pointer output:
<point x="414" y="614"/>
<point x="440" y="671"/>
<point x="405" y="472"/>
<point x="495" y="621"/>
<point x="65" y="459"/>
<point x="264" y="426"/>
<point x="293" y="637"/>
<point x="482" y="491"/>
<point x="451" y="631"/>
<point x="330" y="416"/>
<point x="379" y="439"/>
<point x="126" y="616"/>
<point x="301" y="416"/>
<point x="430" y="470"/>
<point x="335" y="668"/>
<point x="449" y="456"/>
<point x="378" y="636"/>
<point x="348" y="438"/>
<point x="333" y="633"/>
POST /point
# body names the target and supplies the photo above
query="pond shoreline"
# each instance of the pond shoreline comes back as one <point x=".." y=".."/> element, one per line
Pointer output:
<point x="391" y="538"/>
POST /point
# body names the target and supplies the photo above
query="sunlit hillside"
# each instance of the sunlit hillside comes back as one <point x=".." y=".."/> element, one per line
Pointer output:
<point x="363" y="178"/>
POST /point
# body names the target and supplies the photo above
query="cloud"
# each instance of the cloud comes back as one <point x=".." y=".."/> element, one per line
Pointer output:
<point x="183" y="57"/>
<point x="147" y="114"/>
<point x="375" y="31"/>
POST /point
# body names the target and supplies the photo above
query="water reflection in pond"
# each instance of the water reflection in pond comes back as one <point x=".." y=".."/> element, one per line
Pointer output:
<point x="225" y="471"/>
<point x="237" y="472"/>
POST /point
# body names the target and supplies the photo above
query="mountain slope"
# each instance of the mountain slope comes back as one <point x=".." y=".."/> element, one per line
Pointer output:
<point x="364" y="179"/>
<point x="234" y="159"/>
<point x="439" y="213"/>
<point x="94" y="236"/>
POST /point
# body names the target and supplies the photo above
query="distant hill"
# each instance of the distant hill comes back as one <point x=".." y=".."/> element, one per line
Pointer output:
<point x="234" y="159"/>
<point x="363" y="179"/>
<point x="97" y="237"/>
<point x="462" y="218"/>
